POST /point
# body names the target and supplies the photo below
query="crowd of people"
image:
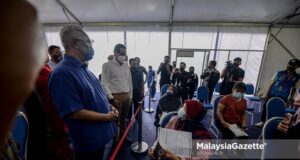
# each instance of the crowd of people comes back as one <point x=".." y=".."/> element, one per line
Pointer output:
<point x="74" y="115"/>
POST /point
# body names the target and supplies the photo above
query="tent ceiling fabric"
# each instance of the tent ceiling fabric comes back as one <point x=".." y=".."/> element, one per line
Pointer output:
<point x="262" y="11"/>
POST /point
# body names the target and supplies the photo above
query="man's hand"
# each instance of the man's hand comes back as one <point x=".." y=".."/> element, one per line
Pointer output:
<point x="284" y="125"/>
<point x="110" y="116"/>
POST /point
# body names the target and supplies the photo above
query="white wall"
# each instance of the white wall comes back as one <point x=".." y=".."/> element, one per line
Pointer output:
<point x="276" y="58"/>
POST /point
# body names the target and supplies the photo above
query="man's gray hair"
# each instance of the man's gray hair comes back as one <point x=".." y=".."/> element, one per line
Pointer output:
<point x="70" y="33"/>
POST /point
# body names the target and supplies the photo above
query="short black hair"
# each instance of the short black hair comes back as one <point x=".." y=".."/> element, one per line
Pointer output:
<point x="294" y="62"/>
<point x="192" y="67"/>
<point x="183" y="63"/>
<point x="131" y="59"/>
<point x="52" y="47"/>
<point x="149" y="66"/>
<point x="237" y="59"/>
<point x="167" y="57"/>
<point x="239" y="85"/>
<point x="214" y="63"/>
<point x="118" y="47"/>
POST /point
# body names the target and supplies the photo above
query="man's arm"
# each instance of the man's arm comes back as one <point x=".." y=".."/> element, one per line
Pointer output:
<point x="105" y="77"/>
<point x="88" y="115"/>
<point x="244" y="119"/>
<point x="220" y="109"/>
<point x="130" y="83"/>
<point x="223" y="73"/>
<point x="159" y="68"/>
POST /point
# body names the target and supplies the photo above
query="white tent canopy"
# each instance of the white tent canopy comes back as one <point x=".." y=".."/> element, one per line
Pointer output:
<point x="229" y="11"/>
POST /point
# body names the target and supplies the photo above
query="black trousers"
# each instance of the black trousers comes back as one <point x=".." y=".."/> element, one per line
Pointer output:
<point x="95" y="155"/>
<point x="183" y="93"/>
<point x="136" y="98"/>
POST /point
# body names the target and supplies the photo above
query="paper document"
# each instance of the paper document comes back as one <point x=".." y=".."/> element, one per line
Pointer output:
<point x="179" y="142"/>
<point x="238" y="132"/>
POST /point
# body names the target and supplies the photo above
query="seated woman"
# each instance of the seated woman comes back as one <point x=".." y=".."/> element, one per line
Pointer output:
<point x="189" y="119"/>
<point x="167" y="103"/>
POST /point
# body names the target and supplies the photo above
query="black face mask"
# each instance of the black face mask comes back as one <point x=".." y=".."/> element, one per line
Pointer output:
<point x="290" y="68"/>
<point x="182" y="69"/>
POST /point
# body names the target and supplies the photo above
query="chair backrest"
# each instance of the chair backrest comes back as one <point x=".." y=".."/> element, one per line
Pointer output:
<point x="216" y="103"/>
<point x="275" y="107"/>
<point x="249" y="89"/>
<point x="164" y="89"/>
<point x="167" y="118"/>
<point x="217" y="87"/>
<point x="268" y="136"/>
<point x="202" y="93"/>
<point x="20" y="133"/>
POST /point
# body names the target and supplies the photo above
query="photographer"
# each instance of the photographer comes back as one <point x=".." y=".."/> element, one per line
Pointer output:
<point x="210" y="78"/>
<point x="231" y="74"/>
<point x="180" y="80"/>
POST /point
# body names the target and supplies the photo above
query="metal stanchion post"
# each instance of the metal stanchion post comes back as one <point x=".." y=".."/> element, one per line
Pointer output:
<point x="149" y="109"/>
<point x="140" y="146"/>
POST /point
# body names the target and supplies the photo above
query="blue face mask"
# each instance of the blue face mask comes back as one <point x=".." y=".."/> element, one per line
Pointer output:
<point x="238" y="95"/>
<point x="181" y="113"/>
<point x="90" y="53"/>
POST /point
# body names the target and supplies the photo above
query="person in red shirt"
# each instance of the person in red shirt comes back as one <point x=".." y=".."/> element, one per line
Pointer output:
<point x="232" y="110"/>
<point x="57" y="142"/>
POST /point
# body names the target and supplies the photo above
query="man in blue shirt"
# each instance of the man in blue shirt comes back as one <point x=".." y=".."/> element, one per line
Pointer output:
<point x="80" y="98"/>
<point x="151" y="82"/>
<point x="284" y="85"/>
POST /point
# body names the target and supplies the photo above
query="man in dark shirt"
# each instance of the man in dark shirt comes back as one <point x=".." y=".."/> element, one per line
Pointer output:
<point x="210" y="78"/>
<point x="166" y="70"/>
<point x="137" y="85"/>
<point x="192" y="82"/>
<point x="231" y="74"/>
<point x="180" y="80"/>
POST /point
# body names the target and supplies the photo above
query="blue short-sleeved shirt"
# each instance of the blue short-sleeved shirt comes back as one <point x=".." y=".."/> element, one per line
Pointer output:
<point x="73" y="88"/>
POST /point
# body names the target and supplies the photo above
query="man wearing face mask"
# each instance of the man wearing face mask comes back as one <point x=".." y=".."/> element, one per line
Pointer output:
<point x="192" y="82"/>
<point x="210" y="78"/>
<point x="167" y="103"/>
<point x="166" y="70"/>
<point x="231" y="74"/>
<point x="284" y="85"/>
<point x="137" y="85"/>
<point x="180" y="80"/>
<point x="232" y="110"/>
<point x="117" y="81"/>
<point x="80" y="98"/>
<point x="56" y="56"/>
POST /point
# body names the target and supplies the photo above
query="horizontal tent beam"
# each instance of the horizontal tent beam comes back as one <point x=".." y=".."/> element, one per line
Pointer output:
<point x="176" y="24"/>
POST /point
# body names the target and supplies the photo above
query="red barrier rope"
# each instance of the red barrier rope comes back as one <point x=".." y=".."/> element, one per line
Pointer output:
<point x="127" y="130"/>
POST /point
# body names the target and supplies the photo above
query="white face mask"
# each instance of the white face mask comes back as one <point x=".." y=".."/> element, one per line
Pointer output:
<point x="121" y="58"/>
<point x="181" y="113"/>
<point x="238" y="95"/>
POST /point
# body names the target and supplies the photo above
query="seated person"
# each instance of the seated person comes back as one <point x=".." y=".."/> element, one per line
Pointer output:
<point x="167" y="103"/>
<point x="189" y="119"/>
<point x="232" y="110"/>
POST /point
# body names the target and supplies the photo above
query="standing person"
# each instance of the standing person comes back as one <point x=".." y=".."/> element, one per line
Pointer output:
<point x="117" y="80"/>
<point x="174" y="67"/>
<point x="283" y="85"/>
<point x="57" y="141"/>
<point x="231" y="74"/>
<point x="137" y="85"/>
<point x="55" y="56"/>
<point x="210" y="78"/>
<point x="180" y="80"/>
<point x="143" y="70"/>
<point x="79" y="97"/>
<point x="151" y="82"/>
<point x="192" y="82"/>
<point x="166" y="70"/>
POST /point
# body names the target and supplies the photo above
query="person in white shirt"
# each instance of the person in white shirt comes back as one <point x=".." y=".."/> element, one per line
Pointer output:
<point x="56" y="56"/>
<point x="117" y="81"/>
